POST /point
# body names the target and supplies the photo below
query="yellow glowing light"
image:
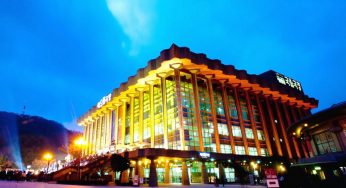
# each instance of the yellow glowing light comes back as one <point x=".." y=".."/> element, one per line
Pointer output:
<point x="305" y="124"/>
<point x="139" y="162"/>
<point x="80" y="141"/>
<point x="253" y="164"/>
<point x="47" y="156"/>
<point x="282" y="168"/>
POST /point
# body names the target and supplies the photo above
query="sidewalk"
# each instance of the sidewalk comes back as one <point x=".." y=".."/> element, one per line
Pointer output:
<point x="20" y="184"/>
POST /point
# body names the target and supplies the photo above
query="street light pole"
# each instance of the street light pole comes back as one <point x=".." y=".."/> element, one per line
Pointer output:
<point x="48" y="157"/>
<point x="80" y="143"/>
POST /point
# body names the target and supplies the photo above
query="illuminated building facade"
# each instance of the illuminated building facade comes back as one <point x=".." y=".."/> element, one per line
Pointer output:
<point x="184" y="111"/>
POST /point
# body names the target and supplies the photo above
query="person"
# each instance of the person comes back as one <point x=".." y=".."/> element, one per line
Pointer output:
<point x="223" y="180"/>
<point x="216" y="181"/>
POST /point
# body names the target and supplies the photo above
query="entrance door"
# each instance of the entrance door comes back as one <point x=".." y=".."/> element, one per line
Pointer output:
<point x="176" y="174"/>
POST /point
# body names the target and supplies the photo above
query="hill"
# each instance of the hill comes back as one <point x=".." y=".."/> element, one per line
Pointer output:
<point x="24" y="138"/>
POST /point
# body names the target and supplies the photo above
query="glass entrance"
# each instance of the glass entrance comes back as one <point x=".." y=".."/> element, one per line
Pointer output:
<point x="176" y="174"/>
<point x="195" y="172"/>
<point x="160" y="174"/>
<point x="230" y="175"/>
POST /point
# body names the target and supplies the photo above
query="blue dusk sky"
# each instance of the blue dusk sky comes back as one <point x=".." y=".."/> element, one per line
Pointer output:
<point x="60" y="57"/>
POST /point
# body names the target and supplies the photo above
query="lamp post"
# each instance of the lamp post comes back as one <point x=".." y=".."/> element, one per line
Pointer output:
<point x="48" y="157"/>
<point x="80" y="143"/>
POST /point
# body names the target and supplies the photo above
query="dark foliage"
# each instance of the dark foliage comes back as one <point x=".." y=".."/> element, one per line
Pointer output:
<point x="119" y="163"/>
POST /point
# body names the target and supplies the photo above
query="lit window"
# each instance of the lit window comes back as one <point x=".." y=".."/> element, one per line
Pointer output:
<point x="240" y="150"/>
<point x="264" y="152"/>
<point x="213" y="147"/>
<point x="223" y="130"/>
<point x="225" y="148"/>
<point x="260" y="135"/>
<point x="253" y="151"/>
<point x="326" y="142"/>
<point x="249" y="133"/>
<point x="236" y="131"/>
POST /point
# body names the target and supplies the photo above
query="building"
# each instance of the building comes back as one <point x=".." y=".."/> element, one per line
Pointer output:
<point x="196" y="118"/>
<point x="323" y="136"/>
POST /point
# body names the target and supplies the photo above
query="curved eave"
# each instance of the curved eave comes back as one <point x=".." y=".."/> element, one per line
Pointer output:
<point x="316" y="119"/>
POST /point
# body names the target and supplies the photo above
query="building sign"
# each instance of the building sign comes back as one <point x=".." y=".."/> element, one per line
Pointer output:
<point x="204" y="155"/>
<point x="104" y="100"/>
<point x="284" y="80"/>
<point x="272" y="180"/>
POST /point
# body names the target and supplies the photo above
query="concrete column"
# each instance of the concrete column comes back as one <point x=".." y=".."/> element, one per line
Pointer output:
<point x="116" y="123"/>
<point x="264" y="126"/>
<point x="167" y="173"/>
<point x="92" y="137"/>
<point x="180" y="108"/>
<point x="213" y="112"/>
<point x="141" y="112"/>
<point x="136" y="168"/>
<point x="252" y="120"/>
<point x="85" y="137"/>
<point x="98" y="137"/>
<point x="228" y="117"/>
<point x="184" y="174"/>
<point x="273" y="126"/>
<point x="303" y="144"/>
<point x="131" y="117"/>
<point x="295" y="141"/>
<point x="110" y="127"/>
<point x="124" y="176"/>
<point x="204" y="173"/>
<point x="152" y="174"/>
<point x="140" y="170"/>
<point x="241" y="122"/>
<point x="296" y="149"/>
<point x="164" y="108"/>
<point x="308" y="145"/>
<point x="197" y="108"/>
<point x="123" y="120"/>
<point x="152" y="115"/>
<point x="131" y="172"/>
<point x="283" y="130"/>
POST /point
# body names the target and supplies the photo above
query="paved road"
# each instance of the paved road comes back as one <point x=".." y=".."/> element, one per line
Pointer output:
<point x="14" y="184"/>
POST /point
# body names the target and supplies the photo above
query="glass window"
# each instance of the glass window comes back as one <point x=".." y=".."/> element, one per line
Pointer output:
<point x="225" y="148"/>
<point x="325" y="143"/>
<point x="240" y="150"/>
<point x="249" y="133"/>
<point x="253" y="151"/>
<point x="223" y="130"/>
<point x="260" y="135"/>
<point x="264" y="152"/>
<point x="230" y="174"/>
<point x="236" y="131"/>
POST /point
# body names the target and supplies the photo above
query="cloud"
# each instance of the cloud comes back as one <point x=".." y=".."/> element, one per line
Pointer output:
<point x="136" y="19"/>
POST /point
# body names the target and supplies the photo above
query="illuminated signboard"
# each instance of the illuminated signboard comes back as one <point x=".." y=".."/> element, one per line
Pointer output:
<point x="284" y="80"/>
<point x="104" y="100"/>
<point x="204" y="155"/>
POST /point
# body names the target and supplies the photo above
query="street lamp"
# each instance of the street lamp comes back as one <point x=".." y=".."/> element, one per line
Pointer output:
<point x="48" y="157"/>
<point x="80" y="143"/>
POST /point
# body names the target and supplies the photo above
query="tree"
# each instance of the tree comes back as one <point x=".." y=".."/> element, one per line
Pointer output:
<point x="119" y="163"/>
